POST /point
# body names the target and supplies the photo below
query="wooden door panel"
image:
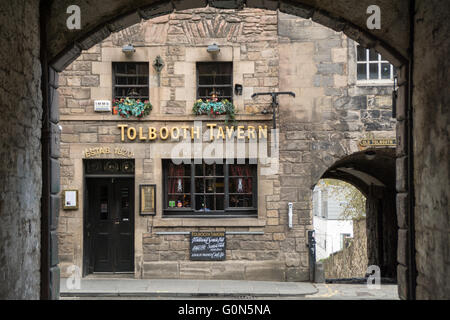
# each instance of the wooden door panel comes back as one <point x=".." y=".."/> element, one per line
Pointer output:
<point x="111" y="220"/>
<point x="125" y="229"/>
<point x="103" y="253"/>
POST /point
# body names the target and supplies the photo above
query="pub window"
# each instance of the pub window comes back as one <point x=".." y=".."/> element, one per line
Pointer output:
<point x="215" y="80"/>
<point x="210" y="190"/>
<point x="371" y="67"/>
<point x="130" y="79"/>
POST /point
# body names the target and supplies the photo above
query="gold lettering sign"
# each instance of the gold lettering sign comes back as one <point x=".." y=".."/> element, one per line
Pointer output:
<point x="371" y="141"/>
<point x="377" y="142"/>
<point x="175" y="133"/>
<point x="98" y="151"/>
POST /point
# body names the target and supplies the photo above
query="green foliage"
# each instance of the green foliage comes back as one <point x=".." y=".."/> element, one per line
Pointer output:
<point x="130" y="107"/>
<point x="214" y="108"/>
<point x="352" y="200"/>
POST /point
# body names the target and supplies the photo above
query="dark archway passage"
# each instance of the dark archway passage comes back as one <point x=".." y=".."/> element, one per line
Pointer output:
<point x="427" y="29"/>
<point x="373" y="172"/>
<point x="62" y="50"/>
<point x="127" y="17"/>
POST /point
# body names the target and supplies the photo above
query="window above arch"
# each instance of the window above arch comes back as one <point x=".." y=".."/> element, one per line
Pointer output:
<point x="372" y="69"/>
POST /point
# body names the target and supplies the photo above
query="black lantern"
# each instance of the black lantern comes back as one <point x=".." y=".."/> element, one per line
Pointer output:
<point x="158" y="64"/>
<point x="238" y="89"/>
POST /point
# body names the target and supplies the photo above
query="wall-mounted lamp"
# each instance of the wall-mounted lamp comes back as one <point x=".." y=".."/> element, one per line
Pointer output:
<point x="128" y="49"/>
<point x="238" y="89"/>
<point x="213" y="48"/>
<point x="158" y="64"/>
<point x="370" y="155"/>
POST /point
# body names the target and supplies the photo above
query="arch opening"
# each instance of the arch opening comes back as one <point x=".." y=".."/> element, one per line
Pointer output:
<point x="319" y="15"/>
<point x="63" y="51"/>
<point x="372" y="173"/>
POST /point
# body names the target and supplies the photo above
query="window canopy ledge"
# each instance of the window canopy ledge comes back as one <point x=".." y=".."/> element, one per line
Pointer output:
<point x="198" y="222"/>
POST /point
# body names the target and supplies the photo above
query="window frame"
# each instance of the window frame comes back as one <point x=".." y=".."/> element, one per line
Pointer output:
<point x="367" y="62"/>
<point x="198" y="85"/>
<point x="137" y="75"/>
<point x="227" y="212"/>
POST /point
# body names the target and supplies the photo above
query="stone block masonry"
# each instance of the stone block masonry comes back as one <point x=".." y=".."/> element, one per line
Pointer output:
<point x="352" y="260"/>
<point x="321" y="125"/>
<point x="20" y="150"/>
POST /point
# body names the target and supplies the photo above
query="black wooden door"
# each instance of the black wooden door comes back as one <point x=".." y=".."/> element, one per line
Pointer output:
<point x="111" y="221"/>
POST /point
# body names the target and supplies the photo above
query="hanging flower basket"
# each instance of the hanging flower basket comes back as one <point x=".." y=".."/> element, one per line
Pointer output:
<point x="130" y="107"/>
<point x="214" y="108"/>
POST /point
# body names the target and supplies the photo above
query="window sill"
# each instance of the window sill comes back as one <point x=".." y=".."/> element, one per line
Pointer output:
<point x="209" y="222"/>
<point x="163" y="118"/>
<point x="389" y="83"/>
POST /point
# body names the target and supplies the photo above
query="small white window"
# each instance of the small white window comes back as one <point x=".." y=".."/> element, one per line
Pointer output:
<point x="371" y="68"/>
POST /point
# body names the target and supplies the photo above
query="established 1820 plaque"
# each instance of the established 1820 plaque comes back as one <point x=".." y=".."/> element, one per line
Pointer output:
<point x="208" y="246"/>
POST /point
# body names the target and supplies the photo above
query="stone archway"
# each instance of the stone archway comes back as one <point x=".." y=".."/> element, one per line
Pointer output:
<point x="350" y="18"/>
<point x="373" y="172"/>
<point x="61" y="49"/>
<point x="427" y="28"/>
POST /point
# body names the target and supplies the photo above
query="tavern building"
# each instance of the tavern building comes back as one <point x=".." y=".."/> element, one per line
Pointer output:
<point x="127" y="207"/>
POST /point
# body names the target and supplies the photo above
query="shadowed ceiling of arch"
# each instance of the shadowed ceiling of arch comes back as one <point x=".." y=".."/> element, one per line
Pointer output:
<point x="362" y="170"/>
<point x="100" y="18"/>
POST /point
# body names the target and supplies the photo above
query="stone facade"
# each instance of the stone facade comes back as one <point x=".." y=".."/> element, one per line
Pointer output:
<point x="431" y="152"/>
<point x="351" y="261"/>
<point x="429" y="58"/>
<point x="270" y="52"/>
<point x="20" y="150"/>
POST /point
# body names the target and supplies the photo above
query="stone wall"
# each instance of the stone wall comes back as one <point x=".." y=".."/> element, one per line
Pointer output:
<point x="382" y="230"/>
<point x="431" y="100"/>
<point x="20" y="150"/>
<point x="331" y="111"/>
<point x="321" y="125"/>
<point x="351" y="261"/>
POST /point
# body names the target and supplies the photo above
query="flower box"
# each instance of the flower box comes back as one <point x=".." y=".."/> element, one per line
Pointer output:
<point x="127" y="107"/>
<point x="214" y="108"/>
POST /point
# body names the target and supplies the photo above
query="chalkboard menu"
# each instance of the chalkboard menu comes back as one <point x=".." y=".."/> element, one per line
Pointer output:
<point x="208" y="246"/>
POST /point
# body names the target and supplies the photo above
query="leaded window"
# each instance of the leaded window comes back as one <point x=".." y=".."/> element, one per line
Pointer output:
<point x="215" y="80"/>
<point x="204" y="189"/>
<point x="131" y="79"/>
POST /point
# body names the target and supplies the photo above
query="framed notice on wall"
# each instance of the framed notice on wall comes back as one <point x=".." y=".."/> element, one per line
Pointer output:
<point x="148" y="199"/>
<point x="70" y="199"/>
<point x="208" y="246"/>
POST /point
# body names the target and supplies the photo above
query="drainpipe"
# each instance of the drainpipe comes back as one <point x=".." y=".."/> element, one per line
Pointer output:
<point x="412" y="272"/>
